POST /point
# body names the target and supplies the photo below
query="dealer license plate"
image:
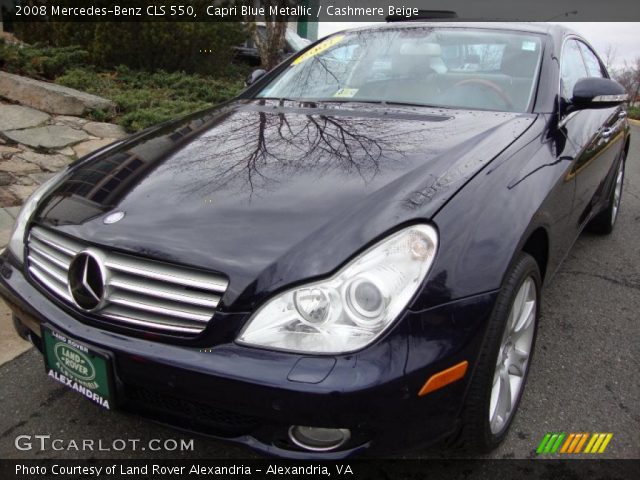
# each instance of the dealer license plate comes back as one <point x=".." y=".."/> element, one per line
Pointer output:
<point x="78" y="366"/>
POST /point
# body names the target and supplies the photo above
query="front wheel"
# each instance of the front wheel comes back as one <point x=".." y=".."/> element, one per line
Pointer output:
<point x="503" y="364"/>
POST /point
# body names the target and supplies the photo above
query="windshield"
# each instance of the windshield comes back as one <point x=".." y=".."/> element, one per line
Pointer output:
<point x="444" y="67"/>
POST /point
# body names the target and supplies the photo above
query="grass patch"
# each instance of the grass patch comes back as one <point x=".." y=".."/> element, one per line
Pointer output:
<point x="634" y="112"/>
<point x="142" y="98"/>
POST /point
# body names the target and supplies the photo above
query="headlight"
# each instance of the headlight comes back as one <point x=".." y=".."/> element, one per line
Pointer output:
<point x="16" y="243"/>
<point x="352" y="308"/>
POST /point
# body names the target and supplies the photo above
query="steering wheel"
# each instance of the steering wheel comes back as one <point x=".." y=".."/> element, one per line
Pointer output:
<point x="504" y="96"/>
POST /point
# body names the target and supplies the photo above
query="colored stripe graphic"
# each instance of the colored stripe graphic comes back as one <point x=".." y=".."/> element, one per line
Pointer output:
<point x="572" y="443"/>
<point x="605" y="443"/>
<point x="555" y="447"/>
<point x="551" y="443"/>
<point x="593" y="439"/>
<point x="567" y="443"/>
<point x="596" y="446"/>
<point x="577" y="438"/>
<point x="582" y="440"/>
<point x="598" y="442"/>
<point x="543" y="443"/>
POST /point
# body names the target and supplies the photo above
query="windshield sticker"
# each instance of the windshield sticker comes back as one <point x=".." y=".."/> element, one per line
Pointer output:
<point x="528" y="45"/>
<point x="321" y="47"/>
<point x="345" y="93"/>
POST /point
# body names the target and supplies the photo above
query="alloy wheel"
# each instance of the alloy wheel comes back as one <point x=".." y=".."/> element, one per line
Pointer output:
<point x="513" y="356"/>
<point x="617" y="193"/>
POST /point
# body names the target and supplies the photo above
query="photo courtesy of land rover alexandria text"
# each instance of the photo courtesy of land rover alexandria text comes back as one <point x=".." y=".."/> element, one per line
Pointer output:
<point x="346" y="259"/>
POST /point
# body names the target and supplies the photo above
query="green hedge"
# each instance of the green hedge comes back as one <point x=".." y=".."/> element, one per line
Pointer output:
<point x="144" y="99"/>
<point x="41" y="61"/>
<point x="634" y="112"/>
<point x="170" y="46"/>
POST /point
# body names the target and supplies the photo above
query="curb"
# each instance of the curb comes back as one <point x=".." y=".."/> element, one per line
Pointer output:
<point x="634" y="122"/>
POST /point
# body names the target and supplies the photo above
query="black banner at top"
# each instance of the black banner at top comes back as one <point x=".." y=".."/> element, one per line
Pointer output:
<point x="318" y="10"/>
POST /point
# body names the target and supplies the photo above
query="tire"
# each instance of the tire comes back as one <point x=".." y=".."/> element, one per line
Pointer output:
<point x="605" y="221"/>
<point x="22" y="331"/>
<point x="478" y="434"/>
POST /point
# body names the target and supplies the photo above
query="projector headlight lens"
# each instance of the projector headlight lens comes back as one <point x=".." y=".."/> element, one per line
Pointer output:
<point x="349" y="310"/>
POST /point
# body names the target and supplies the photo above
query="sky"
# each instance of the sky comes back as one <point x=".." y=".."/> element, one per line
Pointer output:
<point x="624" y="37"/>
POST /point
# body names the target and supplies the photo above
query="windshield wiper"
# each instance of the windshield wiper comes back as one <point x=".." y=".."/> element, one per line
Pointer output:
<point x="281" y="100"/>
<point x="384" y="103"/>
<point x="285" y="99"/>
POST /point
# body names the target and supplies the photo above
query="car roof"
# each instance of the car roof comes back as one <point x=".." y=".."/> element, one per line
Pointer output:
<point x="551" y="29"/>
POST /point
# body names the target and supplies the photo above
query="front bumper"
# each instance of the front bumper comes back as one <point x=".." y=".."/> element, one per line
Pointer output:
<point x="252" y="396"/>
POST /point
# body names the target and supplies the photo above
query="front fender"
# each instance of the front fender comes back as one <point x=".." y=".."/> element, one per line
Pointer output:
<point x="485" y="225"/>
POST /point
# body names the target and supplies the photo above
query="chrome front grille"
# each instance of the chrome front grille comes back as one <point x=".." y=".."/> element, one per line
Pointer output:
<point x="138" y="292"/>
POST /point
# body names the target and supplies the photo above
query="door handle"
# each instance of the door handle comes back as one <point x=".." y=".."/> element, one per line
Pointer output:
<point x="606" y="132"/>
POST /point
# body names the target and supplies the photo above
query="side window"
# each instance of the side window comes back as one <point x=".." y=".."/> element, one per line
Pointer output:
<point x="573" y="68"/>
<point x="594" y="68"/>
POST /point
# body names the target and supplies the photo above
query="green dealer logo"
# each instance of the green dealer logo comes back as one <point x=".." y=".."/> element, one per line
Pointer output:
<point x="74" y="363"/>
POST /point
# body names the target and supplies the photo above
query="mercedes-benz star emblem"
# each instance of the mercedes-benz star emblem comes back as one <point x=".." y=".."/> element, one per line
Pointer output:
<point x="113" y="217"/>
<point x="86" y="281"/>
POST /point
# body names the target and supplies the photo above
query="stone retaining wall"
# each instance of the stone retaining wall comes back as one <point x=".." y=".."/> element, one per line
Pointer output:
<point x="41" y="131"/>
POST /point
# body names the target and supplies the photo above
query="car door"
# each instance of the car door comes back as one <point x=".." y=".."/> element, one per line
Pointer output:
<point x="611" y="134"/>
<point x="590" y="134"/>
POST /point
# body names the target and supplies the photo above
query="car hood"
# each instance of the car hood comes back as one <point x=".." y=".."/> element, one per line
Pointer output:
<point x="271" y="193"/>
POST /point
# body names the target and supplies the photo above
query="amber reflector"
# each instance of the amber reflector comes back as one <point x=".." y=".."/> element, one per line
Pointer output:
<point x="443" y="378"/>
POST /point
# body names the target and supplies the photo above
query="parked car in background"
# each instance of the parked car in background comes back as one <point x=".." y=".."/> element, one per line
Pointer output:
<point x="349" y="258"/>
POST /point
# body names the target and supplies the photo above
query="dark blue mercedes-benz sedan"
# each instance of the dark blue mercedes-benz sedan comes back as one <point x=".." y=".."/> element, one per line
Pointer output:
<point x="348" y="258"/>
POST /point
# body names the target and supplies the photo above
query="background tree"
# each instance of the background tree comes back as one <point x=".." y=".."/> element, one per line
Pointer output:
<point x="270" y="40"/>
<point x="629" y="77"/>
<point x="609" y="58"/>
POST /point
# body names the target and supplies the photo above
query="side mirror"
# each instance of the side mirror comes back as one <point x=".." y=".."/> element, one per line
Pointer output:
<point x="597" y="93"/>
<point x="254" y="76"/>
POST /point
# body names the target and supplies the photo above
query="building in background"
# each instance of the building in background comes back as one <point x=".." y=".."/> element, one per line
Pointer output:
<point x="305" y="26"/>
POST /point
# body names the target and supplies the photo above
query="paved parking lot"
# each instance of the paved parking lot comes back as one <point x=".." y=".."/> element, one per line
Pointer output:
<point x="584" y="378"/>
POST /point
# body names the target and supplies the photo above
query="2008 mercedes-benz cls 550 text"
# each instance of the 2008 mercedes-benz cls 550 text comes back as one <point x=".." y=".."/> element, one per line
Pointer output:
<point x="347" y="258"/>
